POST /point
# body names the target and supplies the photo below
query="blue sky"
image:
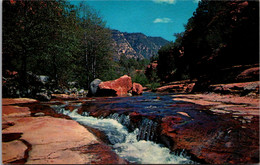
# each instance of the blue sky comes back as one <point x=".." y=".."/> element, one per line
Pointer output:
<point x="152" y="17"/>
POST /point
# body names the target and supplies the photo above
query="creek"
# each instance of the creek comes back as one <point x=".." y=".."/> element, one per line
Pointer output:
<point x="134" y="139"/>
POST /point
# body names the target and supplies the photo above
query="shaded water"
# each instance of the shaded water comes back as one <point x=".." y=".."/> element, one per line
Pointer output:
<point x="134" y="141"/>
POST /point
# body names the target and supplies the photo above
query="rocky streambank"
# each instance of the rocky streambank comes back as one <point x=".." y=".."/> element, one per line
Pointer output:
<point x="34" y="134"/>
<point x="216" y="128"/>
<point x="209" y="128"/>
<point x="229" y="135"/>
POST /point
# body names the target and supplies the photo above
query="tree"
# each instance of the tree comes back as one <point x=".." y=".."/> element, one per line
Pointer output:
<point x="219" y="35"/>
<point x="96" y="44"/>
<point x="31" y="30"/>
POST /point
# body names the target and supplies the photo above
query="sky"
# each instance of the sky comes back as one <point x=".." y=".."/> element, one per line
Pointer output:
<point x="157" y="18"/>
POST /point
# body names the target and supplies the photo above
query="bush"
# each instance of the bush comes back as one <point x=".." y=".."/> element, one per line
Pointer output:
<point x="140" y="78"/>
<point x="153" y="86"/>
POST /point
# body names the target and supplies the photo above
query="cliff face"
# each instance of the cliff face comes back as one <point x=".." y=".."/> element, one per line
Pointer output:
<point x="135" y="45"/>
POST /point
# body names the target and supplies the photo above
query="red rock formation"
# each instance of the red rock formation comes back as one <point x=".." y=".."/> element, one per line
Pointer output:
<point x="170" y="87"/>
<point x="236" y="87"/>
<point x="49" y="140"/>
<point x="223" y="103"/>
<point x="64" y="96"/>
<point x="250" y="73"/>
<point x="7" y="101"/>
<point x="216" y="139"/>
<point x="121" y="86"/>
<point x="137" y="89"/>
<point x="177" y="87"/>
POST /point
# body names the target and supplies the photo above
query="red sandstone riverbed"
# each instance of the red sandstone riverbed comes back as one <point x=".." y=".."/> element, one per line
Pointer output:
<point x="44" y="139"/>
<point x="225" y="129"/>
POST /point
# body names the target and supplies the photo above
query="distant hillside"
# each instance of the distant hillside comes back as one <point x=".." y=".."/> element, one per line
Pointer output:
<point x="136" y="45"/>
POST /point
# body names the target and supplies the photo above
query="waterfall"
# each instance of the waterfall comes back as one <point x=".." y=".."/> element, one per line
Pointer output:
<point x="132" y="146"/>
<point x="147" y="130"/>
<point x="85" y="114"/>
<point x="123" y="119"/>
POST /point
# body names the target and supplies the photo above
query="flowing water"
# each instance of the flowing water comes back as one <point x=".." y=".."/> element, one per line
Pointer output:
<point x="137" y="144"/>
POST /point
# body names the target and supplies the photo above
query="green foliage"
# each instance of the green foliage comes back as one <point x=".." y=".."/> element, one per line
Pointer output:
<point x="140" y="78"/>
<point x="153" y="86"/>
<point x="219" y="35"/>
<point x="166" y="62"/>
<point x="131" y="66"/>
<point x="154" y="58"/>
<point x="51" y="38"/>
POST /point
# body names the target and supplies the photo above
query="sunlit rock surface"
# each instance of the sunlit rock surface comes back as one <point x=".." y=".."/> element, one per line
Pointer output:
<point x="118" y="87"/>
<point x="48" y="140"/>
<point x="137" y="89"/>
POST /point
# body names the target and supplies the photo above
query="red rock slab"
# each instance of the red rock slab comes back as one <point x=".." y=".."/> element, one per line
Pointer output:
<point x="200" y="102"/>
<point x="213" y="141"/>
<point x="254" y="86"/>
<point x="179" y="82"/>
<point x="103" y="154"/>
<point x="228" y="99"/>
<point x="249" y="73"/>
<point x="223" y="103"/>
<point x="53" y="139"/>
<point x="9" y="101"/>
<point x="122" y="85"/>
<point x="64" y="96"/>
<point x="167" y="87"/>
<point x="137" y="89"/>
<point x="10" y="110"/>
<point x="12" y="151"/>
<point x="177" y="86"/>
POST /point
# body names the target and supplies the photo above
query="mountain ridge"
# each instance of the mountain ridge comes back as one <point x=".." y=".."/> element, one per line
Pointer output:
<point x="135" y="45"/>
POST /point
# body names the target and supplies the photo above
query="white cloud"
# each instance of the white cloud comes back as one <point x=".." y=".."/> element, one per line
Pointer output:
<point x="165" y="1"/>
<point x="196" y="1"/>
<point x="162" y="20"/>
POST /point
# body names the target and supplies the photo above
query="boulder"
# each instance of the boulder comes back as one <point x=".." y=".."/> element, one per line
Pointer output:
<point x="137" y="89"/>
<point x="249" y="74"/>
<point x="34" y="86"/>
<point x="43" y="96"/>
<point x="74" y="90"/>
<point x="81" y="92"/>
<point x="118" y="87"/>
<point x="93" y="88"/>
<point x="43" y="79"/>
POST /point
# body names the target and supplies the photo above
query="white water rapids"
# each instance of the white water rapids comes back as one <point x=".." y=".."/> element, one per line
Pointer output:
<point x="125" y="143"/>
